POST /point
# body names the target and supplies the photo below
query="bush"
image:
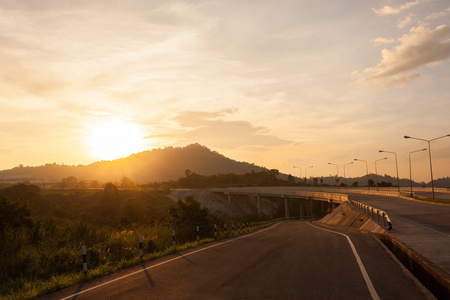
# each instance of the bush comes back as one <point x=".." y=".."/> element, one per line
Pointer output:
<point x="184" y="217"/>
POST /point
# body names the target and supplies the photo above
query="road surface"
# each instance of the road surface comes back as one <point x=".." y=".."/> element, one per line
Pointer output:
<point x="423" y="226"/>
<point x="289" y="260"/>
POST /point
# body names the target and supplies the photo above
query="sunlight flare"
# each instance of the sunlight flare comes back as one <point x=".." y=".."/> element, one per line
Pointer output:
<point x="115" y="138"/>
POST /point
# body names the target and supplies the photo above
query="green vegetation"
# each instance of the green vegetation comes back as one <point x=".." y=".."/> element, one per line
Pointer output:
<point x="42" y="232"/>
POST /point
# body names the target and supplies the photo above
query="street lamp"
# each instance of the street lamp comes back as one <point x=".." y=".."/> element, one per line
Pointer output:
<point x="367" y="172"/>
<point x="306" y="177"/>
<point x="300" y="171"/>
<point x="376" y="172"/>
<point x="345" y="178"/>
<point x="337" y="170"/>
<point x="429" y="153"/>
<point x="410" y="174"/>
<point x="396" y="167"/>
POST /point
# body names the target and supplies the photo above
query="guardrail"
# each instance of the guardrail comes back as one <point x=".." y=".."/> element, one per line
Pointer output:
<point x="284" y="192"/>
<point x="372" y="211"/>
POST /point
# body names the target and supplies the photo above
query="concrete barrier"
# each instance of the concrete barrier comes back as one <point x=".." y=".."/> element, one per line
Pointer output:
<point x="347" y="217"/>
<point x="435" y="279"/>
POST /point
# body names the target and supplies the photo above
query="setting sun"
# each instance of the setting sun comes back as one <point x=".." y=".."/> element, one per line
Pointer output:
<point x="115" y="138"/>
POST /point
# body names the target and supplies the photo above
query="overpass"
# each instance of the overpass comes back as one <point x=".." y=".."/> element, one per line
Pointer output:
<point x="327" y="200"/>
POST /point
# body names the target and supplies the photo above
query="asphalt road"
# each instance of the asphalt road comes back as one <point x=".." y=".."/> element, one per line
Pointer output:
<point x="290" y="260"/>
<point x="423" y="226"/>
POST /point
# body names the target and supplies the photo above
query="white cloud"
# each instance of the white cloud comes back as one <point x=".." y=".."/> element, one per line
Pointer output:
<point x="211" y="128"/>
<point x="402" y="23"/>
<point x="383" y="40"/>
<point x="389" y="10"/>
<point x="438" y="14"/>
<point x="420" y="47"/>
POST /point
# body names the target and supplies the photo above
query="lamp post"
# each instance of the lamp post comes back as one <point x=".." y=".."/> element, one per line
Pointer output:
<point x="410" y="173"/>
<point x="300" y="171"/>
<point x="376" y="172"/>
<point x="429" y="153"/>
<point x="396" y="167"/>
<point x="306" y="177"/>
<point x="367" y="172"/>
<point x="337" y="171"/>
<point x="345" y="178"/>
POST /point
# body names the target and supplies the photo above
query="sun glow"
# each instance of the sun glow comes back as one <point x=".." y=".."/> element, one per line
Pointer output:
<point x="115" y="138"/>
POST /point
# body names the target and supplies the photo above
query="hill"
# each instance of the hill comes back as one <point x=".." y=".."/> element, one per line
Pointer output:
<point x="168" y="164"/>
<point x="149" y="166"/>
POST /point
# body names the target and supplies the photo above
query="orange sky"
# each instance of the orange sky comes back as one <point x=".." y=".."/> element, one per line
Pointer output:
<point x="275" y="83"/>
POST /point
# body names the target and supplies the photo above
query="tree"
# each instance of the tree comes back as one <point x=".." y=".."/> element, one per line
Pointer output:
<point x="69" y="182"/>
<point x="355" y="183"/>
<point x="371" y="182"/>
<point x="95" y="184"/>
<point x="13" y="215"/>
<point x="290" y="178"/>
<point x="185" y="216"/>
<point x="111" y="199"/>
<point x="127" y="182"/>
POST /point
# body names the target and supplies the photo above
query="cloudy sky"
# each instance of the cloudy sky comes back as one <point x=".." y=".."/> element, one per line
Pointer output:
<point x="275" y="83"/>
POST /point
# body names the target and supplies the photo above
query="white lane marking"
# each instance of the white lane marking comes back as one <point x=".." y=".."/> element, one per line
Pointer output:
<point x="168" y="261"/>
<point x="369" y="284"/>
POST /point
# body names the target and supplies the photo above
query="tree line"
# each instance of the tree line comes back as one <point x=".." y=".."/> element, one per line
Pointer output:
<point x="42" y="231"/>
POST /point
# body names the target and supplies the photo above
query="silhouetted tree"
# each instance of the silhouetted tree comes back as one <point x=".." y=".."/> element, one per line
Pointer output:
<point x="290" y="178"/>
<point x="111" y="199"/>
<point x="13" y="215"/>
<point x="69" y="182"/>
<point x="127" y="182"/>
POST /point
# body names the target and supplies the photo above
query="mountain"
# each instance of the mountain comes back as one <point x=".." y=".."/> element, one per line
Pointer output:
<point x="170" y="164"/>
<point x="149" y="166"/>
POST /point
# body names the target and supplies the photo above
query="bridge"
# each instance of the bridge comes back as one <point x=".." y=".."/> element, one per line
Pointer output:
<point x="304" y="198"/>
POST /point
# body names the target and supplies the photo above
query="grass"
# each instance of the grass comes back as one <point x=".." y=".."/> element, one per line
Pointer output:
<point x="36" y="288"/>
<point x="435" y="200"/>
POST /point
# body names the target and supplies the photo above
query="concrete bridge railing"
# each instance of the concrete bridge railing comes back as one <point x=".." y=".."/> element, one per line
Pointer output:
<point x="374" y="213"/>
<point x="334" y="199"/>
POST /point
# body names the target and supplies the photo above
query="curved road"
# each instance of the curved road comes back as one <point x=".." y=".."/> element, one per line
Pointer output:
<point x="423" y="226"/>
<point x="289" y="260"/>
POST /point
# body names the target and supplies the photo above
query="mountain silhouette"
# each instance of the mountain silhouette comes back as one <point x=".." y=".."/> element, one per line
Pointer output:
<point x="167" y="164"/>
<point x="149" y="166"/>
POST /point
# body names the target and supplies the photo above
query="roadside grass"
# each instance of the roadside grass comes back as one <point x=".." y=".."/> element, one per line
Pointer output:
<point x="28" y="289"/>
<point x="436" y="200"/>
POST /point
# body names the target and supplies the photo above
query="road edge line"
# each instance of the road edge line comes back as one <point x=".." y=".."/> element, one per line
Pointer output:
<point x="365" y="275"/>
<point x="168" y="261"/>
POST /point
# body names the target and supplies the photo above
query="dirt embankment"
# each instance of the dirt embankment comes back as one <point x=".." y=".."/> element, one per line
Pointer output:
<point x="346" y="216"/>
<point x="235" y="207"/>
